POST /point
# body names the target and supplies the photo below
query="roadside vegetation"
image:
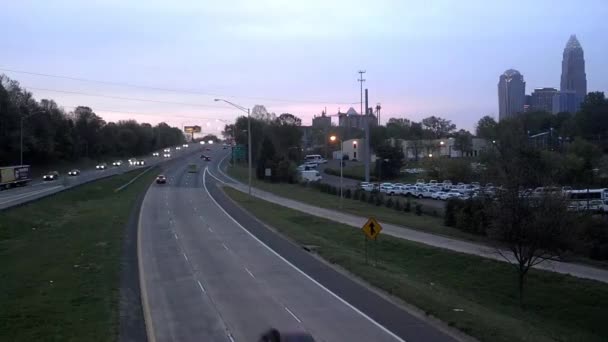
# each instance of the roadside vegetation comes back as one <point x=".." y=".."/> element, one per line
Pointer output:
<point x="475" y="295"/>
<point x="412" y="215"/>
<point x="60" y="262"/>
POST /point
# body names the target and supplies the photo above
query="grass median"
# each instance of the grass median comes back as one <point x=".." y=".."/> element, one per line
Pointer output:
<point x="426" y="223"/>
<point x="60" y="262"/>
<point x="476" y="295"/>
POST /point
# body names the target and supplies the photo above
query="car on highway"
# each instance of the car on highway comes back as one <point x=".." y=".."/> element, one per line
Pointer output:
<point x="205" y="157"/>
<point x="185" y="145"/>
<point x="51" y="176"/>
<point x="202" y="142"/>
<point x="140" y="162"/>
<point x="178" y="148"/>
<point x="207" y="149"/>
<point x="225" y="147"/>
<point x="155" y="154"/>
<point x="166" y="155"/>
<point x="74" y="172"/>
<point x="117" y="163"/>
<point x="101" y="166"/>
<point x="161" y="179"/>
<point x="167" y="150"/>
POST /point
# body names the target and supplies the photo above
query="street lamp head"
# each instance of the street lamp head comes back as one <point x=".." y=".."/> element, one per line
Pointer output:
<point x="430" y="155"/>
<point x="333" y="138"/>
<point x="217" y="100"/>
<point x="441" y="143"/>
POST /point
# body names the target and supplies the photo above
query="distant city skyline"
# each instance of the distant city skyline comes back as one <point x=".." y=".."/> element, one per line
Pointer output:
<point x="300" y="58"/>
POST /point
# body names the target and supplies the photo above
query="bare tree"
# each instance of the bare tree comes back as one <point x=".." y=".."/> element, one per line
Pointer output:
<point x="532" y="228"/>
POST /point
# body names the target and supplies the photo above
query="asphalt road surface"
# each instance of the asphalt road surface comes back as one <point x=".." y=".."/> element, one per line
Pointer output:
<point x="211" y="272"/>
<point x="38" y="188"/>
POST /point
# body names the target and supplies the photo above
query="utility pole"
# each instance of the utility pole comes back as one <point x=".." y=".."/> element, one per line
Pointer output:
<point x="366" y="148"/>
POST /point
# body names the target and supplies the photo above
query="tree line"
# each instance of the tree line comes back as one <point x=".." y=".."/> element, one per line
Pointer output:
<point x="51" y="134"/>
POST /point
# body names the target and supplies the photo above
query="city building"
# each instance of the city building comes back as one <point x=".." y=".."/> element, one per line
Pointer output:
<point x="352" y="119"/>
<point x="307" y="137"/>
<point x="542" y="99"/>
<point x="573" y="70"/>
<point x="437" y="148"/>
<point x="321" y="122"/>
<point x="565" y="101"/>
<point x="511" y="94"/>
<point x="353" y="149"/>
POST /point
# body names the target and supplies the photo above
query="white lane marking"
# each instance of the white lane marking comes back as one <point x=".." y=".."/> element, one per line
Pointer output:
<point x="175" y="236"/>
<point x="211" y="230"/>
<point x="291" y="313"/>
<point x="230" y="337"/>
<point x="380" y="326"/>
<point x="185" y="256"/>
<point x="248" y="271"/>
<point x="225" y="247"/>
<point x="31" y="193"/>
<point x="201" y="286"/>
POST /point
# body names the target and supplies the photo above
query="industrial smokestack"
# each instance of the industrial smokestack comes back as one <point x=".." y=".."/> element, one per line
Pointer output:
<point x="366" y="103"/>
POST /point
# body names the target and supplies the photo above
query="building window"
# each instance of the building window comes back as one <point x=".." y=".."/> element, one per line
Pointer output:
<point x="355" y="155"/>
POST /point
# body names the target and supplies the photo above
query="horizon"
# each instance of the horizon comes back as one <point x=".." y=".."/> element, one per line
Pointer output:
<point x="295" y="58"/>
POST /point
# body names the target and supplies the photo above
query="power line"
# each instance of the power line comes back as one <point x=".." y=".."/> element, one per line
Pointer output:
<point x="124" y="98"/>
<point x="182" y="91"/>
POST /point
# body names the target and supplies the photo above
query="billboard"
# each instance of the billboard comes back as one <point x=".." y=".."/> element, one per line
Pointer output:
<point x="192" y="129"/>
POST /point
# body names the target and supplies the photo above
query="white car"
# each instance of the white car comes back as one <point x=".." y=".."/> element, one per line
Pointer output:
<point x="428" y="192"/>
<point x="366" y="186"/>
<point x="311" y="165"/>
<point x="390" y="190"/>
<point x="411" y="190"/>
<point x="101" y="166"/>
<point x="453" y="194"/>
<point x="439" y="195"/>
<point x="444" y="196"/>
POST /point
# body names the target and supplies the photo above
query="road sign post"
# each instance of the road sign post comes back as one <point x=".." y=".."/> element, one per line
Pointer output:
<point x="371" y="229"/>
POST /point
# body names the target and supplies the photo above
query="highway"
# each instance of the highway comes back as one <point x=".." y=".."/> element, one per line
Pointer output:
<point x="211" y="272"/>
<point x="38" y="188"/>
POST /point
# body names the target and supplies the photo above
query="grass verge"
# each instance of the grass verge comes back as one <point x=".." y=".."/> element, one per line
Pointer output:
<point x="473" y="294"/>
<point x="60" y="263"/>
<point x="426" y="223"/>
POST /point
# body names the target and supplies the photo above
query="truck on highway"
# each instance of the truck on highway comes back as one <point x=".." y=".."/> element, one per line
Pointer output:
<point x="11" y="176"/>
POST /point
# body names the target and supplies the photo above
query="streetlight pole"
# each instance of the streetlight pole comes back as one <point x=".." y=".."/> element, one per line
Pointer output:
<point x="339" y="139"/>
<point x="21" y="141"/>
<point x="248" y="111"/>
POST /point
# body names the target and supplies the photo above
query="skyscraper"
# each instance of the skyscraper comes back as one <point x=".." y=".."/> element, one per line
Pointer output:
<point x="511" y="94"/>
<point x="573" y="69"/>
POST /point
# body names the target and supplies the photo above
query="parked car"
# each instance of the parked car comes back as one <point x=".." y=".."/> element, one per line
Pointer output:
<point x="429" y="191"/>
<point x="74" y="172"/>
<point x="438" y="195"/>
<point x="53" y="175"/>
<point x="390" y="190"/>
<point x="453" y="194"/>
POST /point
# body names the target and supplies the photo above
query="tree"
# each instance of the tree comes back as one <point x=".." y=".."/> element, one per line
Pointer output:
<point x="592" y="119"/>
<point x="287" y="119"/>
<point x="211" y="137"/>
<point x="438" y="127"/>
<point x="398" y="128"/>
<point x="259" y="112"/>
<point x="532" y="229"/>
<point x="463" y="141"/>
<point x="486" y="128"/>
<point x="388" y="160"/>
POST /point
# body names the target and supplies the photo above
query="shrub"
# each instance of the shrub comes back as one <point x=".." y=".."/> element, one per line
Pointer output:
<point x="408" y="206"/>
<point x="363" y="196"/>
<point x="379" y="200"/>
<point x="347" y="193"/>
<point x="451" y="207"/>
<point x="418" y="209"/>
<point x="398" y="205"/>
<point x="472" y="216"/>
<point x="371" y="199"/>
<point x="389" y="203"/>
<point x="356" y="194"/>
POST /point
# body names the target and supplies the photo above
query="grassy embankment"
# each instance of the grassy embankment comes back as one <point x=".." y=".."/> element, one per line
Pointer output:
<point x="60" y="263"/>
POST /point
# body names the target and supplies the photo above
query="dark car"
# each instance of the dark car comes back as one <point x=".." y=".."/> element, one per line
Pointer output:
<point x="74" y="172"/>
<point x="205" y="158"/>
<point x="207" y="149"/>
<point x="161" y="179"/>
<point x="53" y="175"/>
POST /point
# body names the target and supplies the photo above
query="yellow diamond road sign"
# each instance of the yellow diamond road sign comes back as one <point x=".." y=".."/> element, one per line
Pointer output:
<point x="371" y="228"/>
